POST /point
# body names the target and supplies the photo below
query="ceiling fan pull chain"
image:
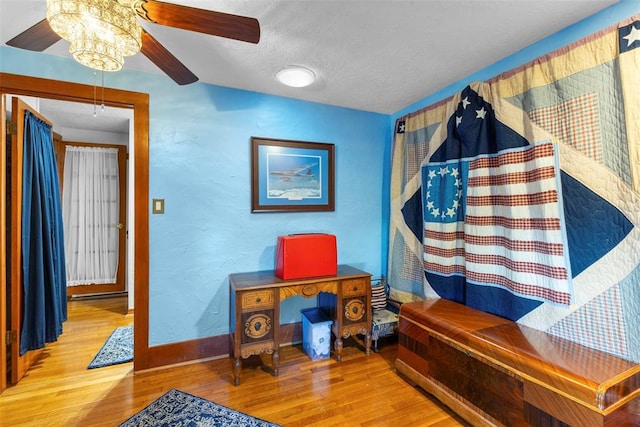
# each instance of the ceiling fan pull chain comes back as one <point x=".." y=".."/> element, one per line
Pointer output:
<point x="95" y="113"/>
<point x="95" y="91"/>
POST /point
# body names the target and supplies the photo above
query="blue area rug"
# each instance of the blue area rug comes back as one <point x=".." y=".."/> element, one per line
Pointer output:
<point x="177" y="408"/>
<point x="117" y="349"/>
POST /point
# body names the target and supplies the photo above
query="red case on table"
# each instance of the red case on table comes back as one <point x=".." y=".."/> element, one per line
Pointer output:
<point x="306" y="255"/>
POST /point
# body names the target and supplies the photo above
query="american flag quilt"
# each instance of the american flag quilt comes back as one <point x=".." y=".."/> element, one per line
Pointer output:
<point x="519" y="196"/>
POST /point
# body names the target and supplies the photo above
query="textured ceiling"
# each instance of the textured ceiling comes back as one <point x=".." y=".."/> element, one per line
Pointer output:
<point x="371" y="55"/>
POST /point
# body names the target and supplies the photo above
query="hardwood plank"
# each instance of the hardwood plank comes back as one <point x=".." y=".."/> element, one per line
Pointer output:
<point x="359" y="391"/>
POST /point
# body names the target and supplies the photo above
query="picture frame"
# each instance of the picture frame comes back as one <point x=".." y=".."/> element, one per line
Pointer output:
<point x="291" y="176"/>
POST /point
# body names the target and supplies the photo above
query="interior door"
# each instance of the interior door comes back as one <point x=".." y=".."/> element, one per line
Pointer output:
<point x="119" y="286"/>
<point x="19" y="364"/>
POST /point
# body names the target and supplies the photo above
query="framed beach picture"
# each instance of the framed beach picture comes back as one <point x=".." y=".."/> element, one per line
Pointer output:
<point x="291" y="176"/>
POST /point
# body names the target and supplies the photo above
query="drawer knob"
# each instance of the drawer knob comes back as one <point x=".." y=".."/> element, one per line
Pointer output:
<point x="258" y="299"/>
<point x="355" y="288"/>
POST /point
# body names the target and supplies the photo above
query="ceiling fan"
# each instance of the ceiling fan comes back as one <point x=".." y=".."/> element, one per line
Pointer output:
<point x="47" y="32"/>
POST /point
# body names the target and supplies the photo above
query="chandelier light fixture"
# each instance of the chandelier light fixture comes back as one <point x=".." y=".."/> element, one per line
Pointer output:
<point x="100" y="32"/>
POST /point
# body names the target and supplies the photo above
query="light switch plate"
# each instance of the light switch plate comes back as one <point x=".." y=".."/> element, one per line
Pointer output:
<point x="158" y="206"/>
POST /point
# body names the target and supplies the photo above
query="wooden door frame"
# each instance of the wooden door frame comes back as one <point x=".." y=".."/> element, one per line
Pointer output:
<point x="75" y="92"/>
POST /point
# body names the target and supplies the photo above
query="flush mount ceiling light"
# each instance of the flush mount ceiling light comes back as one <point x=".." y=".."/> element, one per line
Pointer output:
<point x="296" y="76"/>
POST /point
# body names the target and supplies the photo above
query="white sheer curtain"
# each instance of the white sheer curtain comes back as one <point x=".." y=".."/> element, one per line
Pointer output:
<point x="90" y="208"/>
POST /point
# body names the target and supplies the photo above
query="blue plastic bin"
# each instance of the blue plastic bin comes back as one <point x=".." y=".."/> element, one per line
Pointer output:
<point x="316" y="333"/>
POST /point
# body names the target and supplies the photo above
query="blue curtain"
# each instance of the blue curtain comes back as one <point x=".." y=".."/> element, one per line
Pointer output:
<point x="44" y="277"/>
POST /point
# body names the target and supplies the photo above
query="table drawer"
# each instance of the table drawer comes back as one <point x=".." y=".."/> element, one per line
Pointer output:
<point x="258" y="299"/>
<point x="354" y="287"/>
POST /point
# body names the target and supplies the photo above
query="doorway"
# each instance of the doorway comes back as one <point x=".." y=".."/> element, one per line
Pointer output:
<point x="95" y="139"/>
<point x="139" y="103"/>
<point x="17" y="302"/>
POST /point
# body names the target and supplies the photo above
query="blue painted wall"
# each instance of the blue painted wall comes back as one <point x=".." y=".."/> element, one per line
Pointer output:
<point x="199" y="151"/>
<point x="200" y="165"/>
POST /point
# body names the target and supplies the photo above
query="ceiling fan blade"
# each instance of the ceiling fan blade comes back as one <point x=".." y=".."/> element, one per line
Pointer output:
<point x="37" y="38"/>
<point x="200" y="20"/>
<point x="159" y="55"/>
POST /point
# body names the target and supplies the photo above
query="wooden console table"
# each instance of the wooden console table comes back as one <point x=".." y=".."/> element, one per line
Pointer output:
<point x="255" y="310"/>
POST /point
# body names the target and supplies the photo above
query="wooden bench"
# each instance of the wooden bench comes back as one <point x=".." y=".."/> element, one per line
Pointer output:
<point x="492" y="371"/>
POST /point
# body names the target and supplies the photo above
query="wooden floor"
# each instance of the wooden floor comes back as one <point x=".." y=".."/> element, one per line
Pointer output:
<point x="359" y="391"/>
